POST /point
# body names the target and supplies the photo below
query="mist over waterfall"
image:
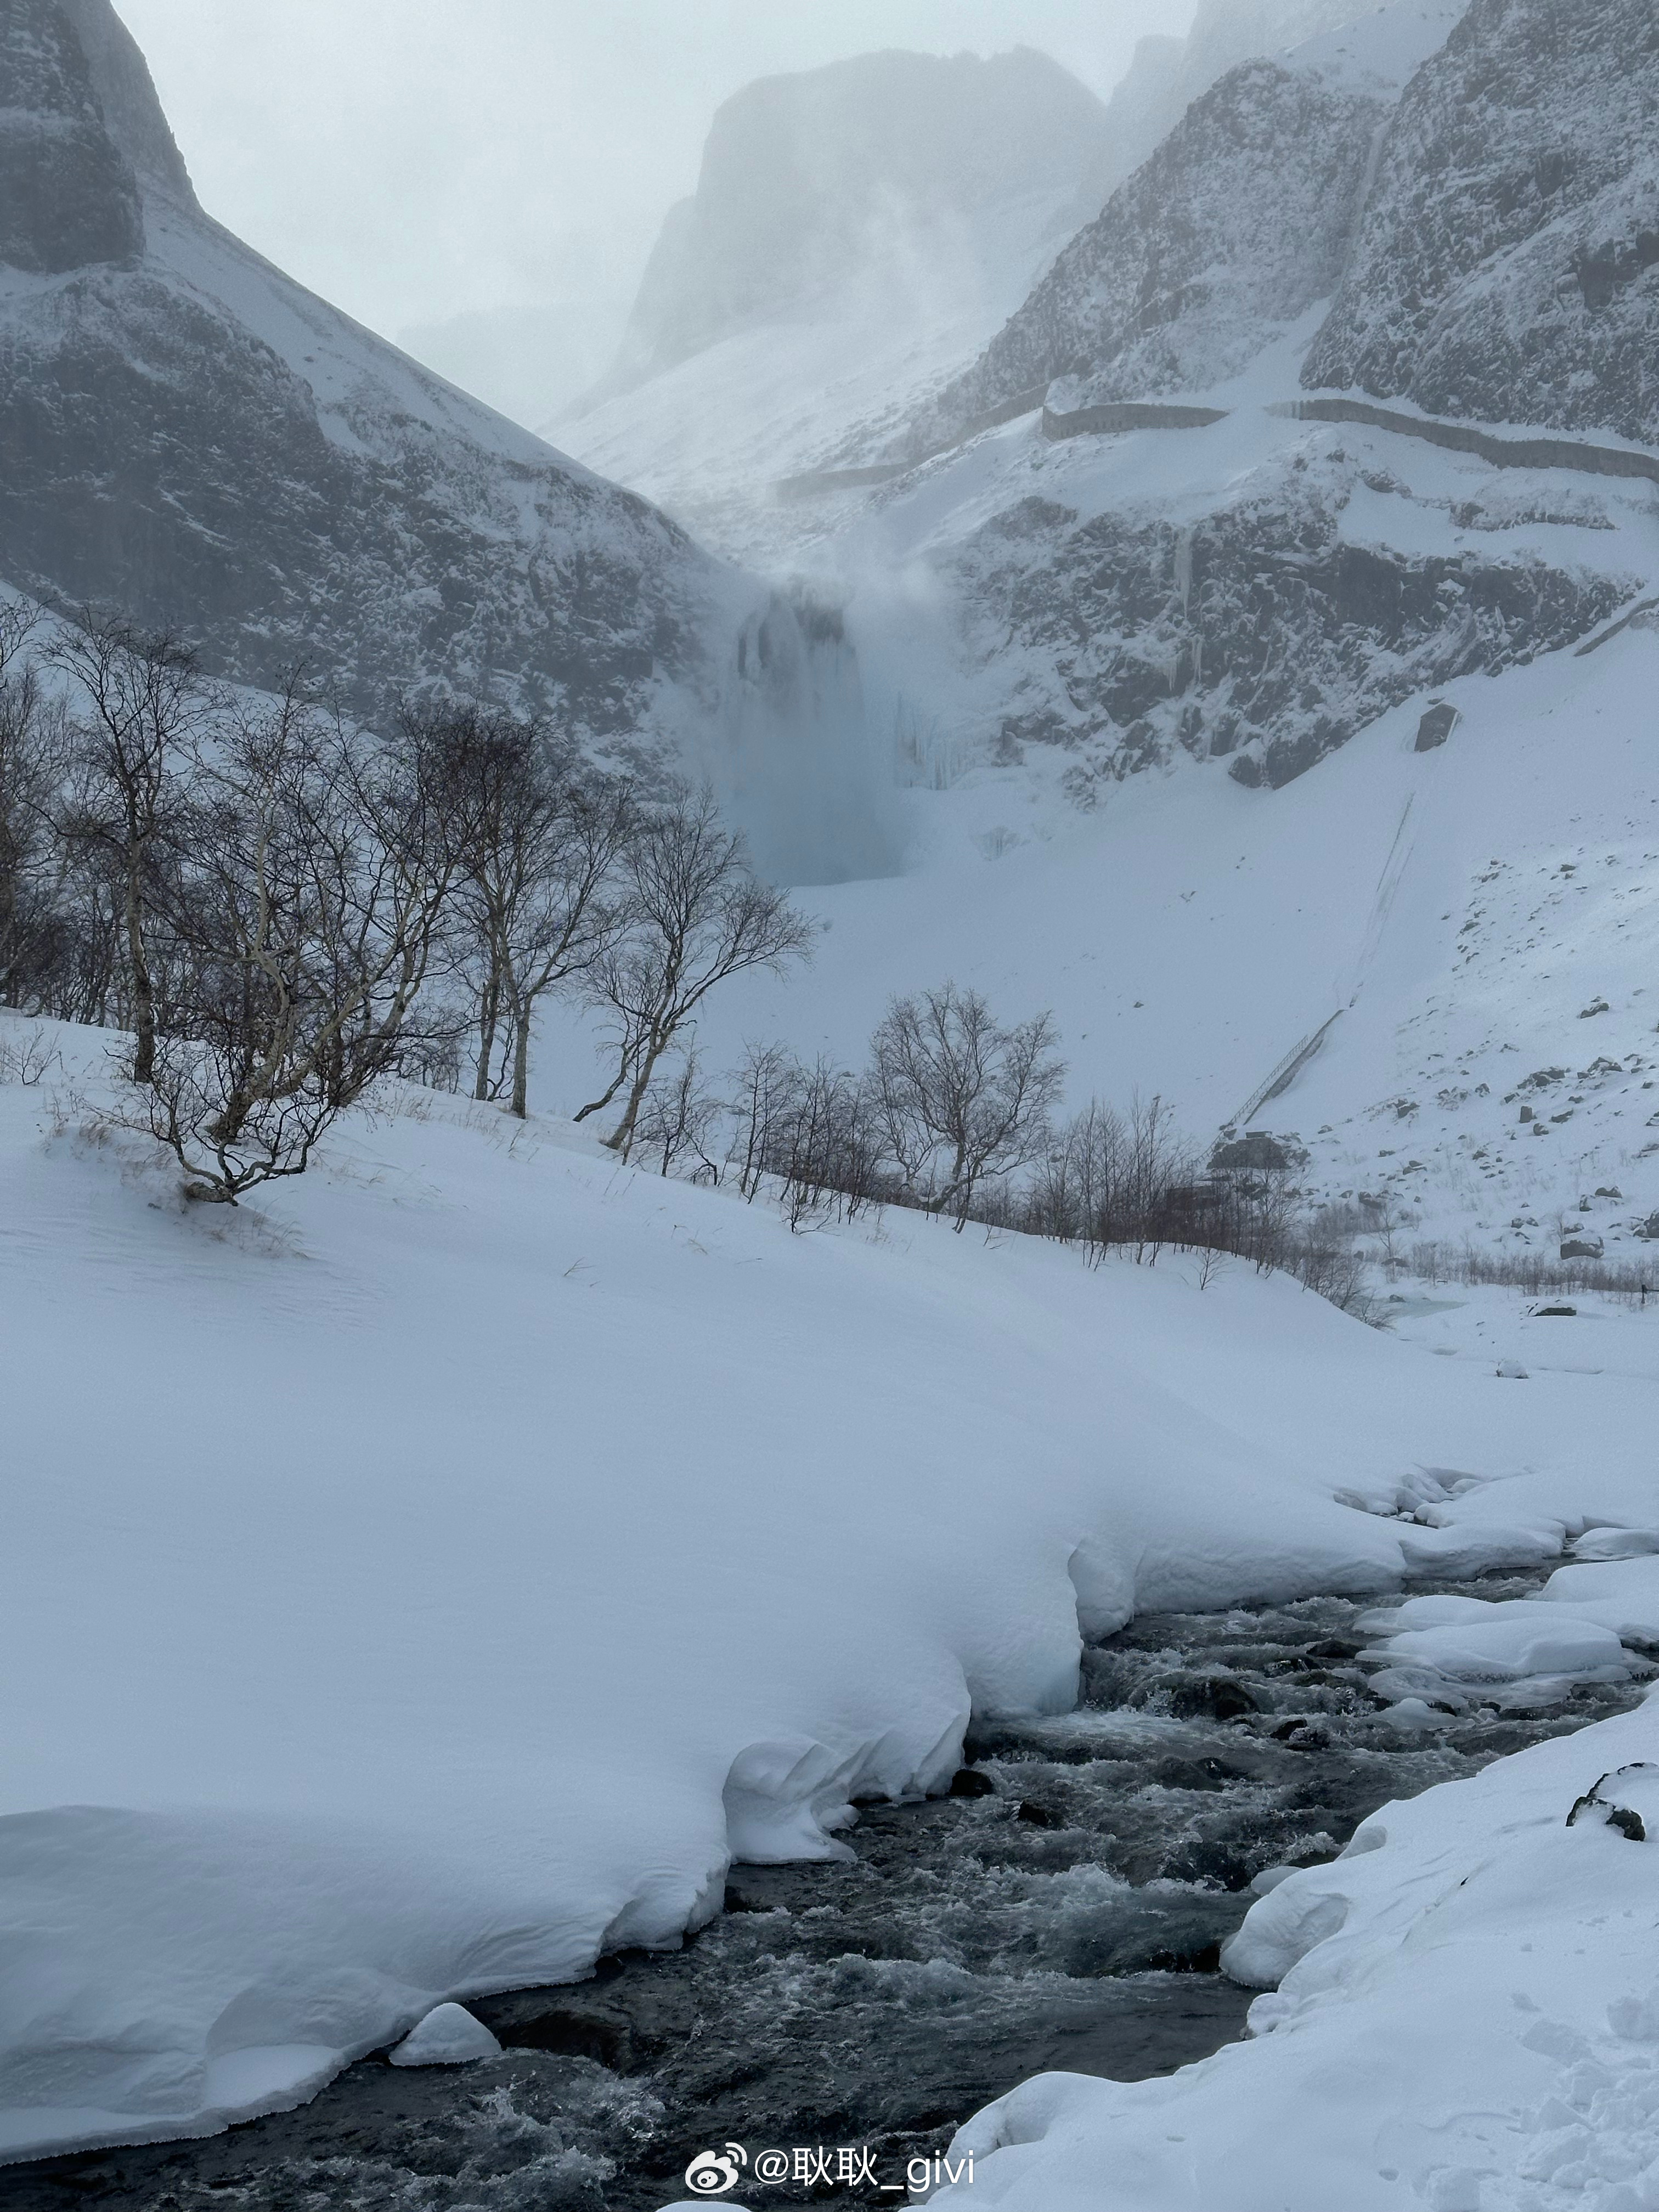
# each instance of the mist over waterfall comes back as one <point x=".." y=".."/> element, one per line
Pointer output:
<point x="801" y="772"/>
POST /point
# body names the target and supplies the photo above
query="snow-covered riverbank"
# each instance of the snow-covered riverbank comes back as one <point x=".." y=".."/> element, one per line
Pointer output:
<point x="351" y="1553"/>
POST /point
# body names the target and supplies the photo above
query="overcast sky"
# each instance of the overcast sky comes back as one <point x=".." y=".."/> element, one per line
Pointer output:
<point x="417" y="160"/>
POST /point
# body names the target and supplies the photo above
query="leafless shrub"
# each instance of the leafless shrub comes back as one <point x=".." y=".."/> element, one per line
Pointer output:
<point x="34" y="747"/>
<point x="26" y="1056"/>
<point x="313" y="882"/>
<point x="1535" y="1274"/>
<point x="143" y="703"/>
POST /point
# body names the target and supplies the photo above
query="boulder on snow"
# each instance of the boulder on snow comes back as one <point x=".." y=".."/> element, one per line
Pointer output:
<point x="1581" y="1244"/>
<point x="1435" y="726"/>
<point x="1607" y="1799"/>
<point x="448" y="2036"/>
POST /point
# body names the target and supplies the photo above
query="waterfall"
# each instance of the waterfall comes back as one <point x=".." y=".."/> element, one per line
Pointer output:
<point x="801" y="773"/>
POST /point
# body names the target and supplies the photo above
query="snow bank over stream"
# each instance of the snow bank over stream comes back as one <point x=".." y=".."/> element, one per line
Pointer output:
<point x="415" y="1591"/>
<point x="1467" y="2017"/>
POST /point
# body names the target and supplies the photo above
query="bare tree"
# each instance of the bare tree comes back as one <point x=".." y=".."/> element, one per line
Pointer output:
<point x="145" y="700"/>
<point x="538" y="839"/>
<point x="762" y="1089"/>
<point x="680" y="1121"/>
<point x="962" y="1100"/>
<point x="315" y="874"/>
<point x="825" y="1148"/>
<point x="32" y="767"/>
<point x="697" y="916"/>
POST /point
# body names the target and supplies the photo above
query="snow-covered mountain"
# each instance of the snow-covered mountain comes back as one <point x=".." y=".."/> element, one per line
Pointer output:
<point x="1507" y="268"/>
<point x="191" y="436"/>
<point x="810" y="181"/>
<point x="858" y="232"/>
<point x="1230" y="231"/>
<point x="1168" y="74"/>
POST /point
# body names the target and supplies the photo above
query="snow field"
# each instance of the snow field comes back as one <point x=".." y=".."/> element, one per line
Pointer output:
<point x="416" y="1588"/>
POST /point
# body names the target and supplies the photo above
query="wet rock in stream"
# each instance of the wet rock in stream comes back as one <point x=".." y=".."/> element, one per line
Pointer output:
<point x="1063" y="1907"/>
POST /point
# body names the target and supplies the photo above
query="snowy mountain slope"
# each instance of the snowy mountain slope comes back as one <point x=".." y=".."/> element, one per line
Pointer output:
<point x="1229" y="232"/>
<point x="1505" y="267"/>
<point x="575" y="1569"/>
<point x="1458" y="909"/>
<point x="1168" y="74"/>
<point x="1255" y="590"/>
<point x="190" y="436"/>
<point x="1237" y="222"/>
<point x="857" y="233"/>
<point x="809" y="179"/>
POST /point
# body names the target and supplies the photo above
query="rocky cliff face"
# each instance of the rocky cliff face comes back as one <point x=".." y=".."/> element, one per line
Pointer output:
<point x="1235" y="226"/>
<point x="1266" y="629"/>
<point x="188" y="435"/>
<point x="809" y="179"/>
<point x="1507" y="266"/>
<point x="67" y="195"/>
<point x="1167" y="75"/>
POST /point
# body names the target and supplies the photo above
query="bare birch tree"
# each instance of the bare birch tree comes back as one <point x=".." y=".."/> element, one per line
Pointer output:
<point x="537" y="838"/>
<point x="32" y="762"/>
<point x="144" y="700"/>
<point x="698" y="915"/>
<point x="962" y="1100"/>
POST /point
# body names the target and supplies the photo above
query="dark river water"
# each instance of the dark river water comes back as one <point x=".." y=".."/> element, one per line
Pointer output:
<point x="1063" y="1909"/>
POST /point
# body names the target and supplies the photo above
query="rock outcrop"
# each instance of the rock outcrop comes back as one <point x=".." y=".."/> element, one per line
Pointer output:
<point x="1507" y="265"/>
<point x="67" y="195"/>
<point x="1235" y="226"/>
<point x="1266" y="631"/>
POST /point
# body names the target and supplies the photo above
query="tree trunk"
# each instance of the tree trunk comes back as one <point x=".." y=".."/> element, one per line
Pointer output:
<point x="143" y="989"/>
<point x="521" y="1064"/>
<point x="488" y="1016"/>
<point x="597" y="1105"/>
<point x="621" y="1139"/>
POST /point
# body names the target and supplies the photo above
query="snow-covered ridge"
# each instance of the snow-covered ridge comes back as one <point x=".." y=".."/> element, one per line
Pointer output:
<point x="1227" y="235"/>
<point x="811" y="179"/>
<point x="857" y="233"/>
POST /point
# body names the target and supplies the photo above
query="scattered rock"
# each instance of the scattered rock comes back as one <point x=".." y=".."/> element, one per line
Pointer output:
<point x="1581" y="1245"/>
<point x="968" y="1782"/>
<point x="1555" y="1313"/>
<point x="1596" y="1006"/>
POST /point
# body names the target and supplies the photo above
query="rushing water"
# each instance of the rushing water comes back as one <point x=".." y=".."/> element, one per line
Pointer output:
<point x="1064" y="1911"/>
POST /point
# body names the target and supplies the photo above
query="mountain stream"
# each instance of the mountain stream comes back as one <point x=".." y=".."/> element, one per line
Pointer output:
<point x="1062" y="1908"/>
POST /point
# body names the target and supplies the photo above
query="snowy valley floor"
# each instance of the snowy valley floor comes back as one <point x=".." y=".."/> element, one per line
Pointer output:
<point x="443" y="1578"/>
